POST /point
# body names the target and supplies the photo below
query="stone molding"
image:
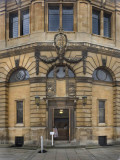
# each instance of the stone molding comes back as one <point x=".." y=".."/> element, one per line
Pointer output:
<point x="48" y="46"/>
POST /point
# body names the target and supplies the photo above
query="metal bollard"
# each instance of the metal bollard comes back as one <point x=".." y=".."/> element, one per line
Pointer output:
<point x="41" y="144"/>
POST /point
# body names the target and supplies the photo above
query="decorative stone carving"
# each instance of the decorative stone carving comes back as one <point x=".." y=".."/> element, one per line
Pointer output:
<point x="17" y="63"/>
<point x="84" y="55"/>
<point x="60" y="42"/>
<point x="72" y="89"/>
<point x="37" y="61"/>
<point x="18" y="2"/>
<point x="50" y="89"/>
<point x="104" y="62"/>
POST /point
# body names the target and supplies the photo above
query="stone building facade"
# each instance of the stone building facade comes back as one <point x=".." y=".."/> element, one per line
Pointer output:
<point x="66" y="79"/>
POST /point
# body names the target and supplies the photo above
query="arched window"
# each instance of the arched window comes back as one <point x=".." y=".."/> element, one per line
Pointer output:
<point x="102" y="75"/>
<point x="19" y="75"/>
<point x="61" y="72"/>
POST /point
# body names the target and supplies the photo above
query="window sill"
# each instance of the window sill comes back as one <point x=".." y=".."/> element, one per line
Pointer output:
<point x="19" y="125"/>
<point x="97" y="35"/>
<point x="102" y="125"/>
<point x="19" y="37"/>
<point x="58" y="31"/>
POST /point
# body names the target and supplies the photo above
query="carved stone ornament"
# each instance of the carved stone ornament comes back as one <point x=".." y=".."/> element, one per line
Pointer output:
<point x="50" y="89"/>
<point x="72" y="90"/>
<point x="60" y="42"/>
<point x="18" y="2"/>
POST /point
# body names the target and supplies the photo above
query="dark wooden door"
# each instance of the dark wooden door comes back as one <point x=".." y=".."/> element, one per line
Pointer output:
<point x="102" y="140"/>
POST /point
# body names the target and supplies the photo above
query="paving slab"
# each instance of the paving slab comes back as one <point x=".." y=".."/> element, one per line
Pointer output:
<point x="103" y="153"/>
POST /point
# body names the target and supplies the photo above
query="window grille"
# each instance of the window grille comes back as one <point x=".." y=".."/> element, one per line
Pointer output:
<point x="107" y="25"/>
<point x="101" y="111"/>
<point x="19" y="109"/>
<point x="25" y="22"/>
<point x="96" y="22"/>
<point x="13" y="25"/>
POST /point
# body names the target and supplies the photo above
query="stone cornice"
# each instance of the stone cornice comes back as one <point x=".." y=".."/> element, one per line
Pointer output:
<point x="48" y="46"/>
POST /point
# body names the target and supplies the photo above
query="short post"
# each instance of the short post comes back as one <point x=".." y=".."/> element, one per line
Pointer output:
<point x="41" y="144"/>
<point x="52" y="134"/>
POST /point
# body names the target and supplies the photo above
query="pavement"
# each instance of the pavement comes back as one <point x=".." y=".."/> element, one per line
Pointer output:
<point x="98" y="153"/>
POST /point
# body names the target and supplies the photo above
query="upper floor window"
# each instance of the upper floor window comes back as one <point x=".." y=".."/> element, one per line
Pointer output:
<point x="96" y="22"/>
<point x="102" y="75"/>
<point x="60" y="16"/>
<point x="101" y="23"/>
<point x="13" y="25"/>
<point x="25" y="22"/>
<point x="107" y="25"/>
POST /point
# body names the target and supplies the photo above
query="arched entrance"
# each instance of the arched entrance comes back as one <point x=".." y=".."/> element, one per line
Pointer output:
<point x="61" y="97"/>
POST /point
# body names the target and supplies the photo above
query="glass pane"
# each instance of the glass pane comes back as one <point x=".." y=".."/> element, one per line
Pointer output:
<point x="101" y="111"/>
<point x="61" y="72"/>
<point x="19" y="111"/>
<point x="70" y="73"/>
<point x="53" y="18"/>
<point x="25" y="22"/>
<point x="67" y="18"/>
<point x="13" y="25"/>
<point x="51" y="74"/>
<point x="107" y="25"/>
<point x="96" y="22"/>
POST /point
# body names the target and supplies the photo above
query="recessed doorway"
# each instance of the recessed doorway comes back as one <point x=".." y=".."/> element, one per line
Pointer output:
<point x="61" y="124"/>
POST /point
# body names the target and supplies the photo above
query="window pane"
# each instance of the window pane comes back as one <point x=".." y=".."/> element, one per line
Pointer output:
<point x="53" y="18"/>
<point x="107" y="25"/>
<point x="19" y="111"/>
<point x="96" y="22"/>
<point x="101" y="111"/>
<point x="70" y="73"/>
<point x="25" y="22"/>
<point x="13" y="27"/>
<point x="67" y="18"/>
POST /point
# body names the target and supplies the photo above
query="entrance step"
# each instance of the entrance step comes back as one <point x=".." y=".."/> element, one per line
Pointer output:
<point x="62" y="144"/>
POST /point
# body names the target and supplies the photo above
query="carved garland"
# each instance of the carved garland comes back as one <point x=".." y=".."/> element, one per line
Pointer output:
<point x="60" y="42"/>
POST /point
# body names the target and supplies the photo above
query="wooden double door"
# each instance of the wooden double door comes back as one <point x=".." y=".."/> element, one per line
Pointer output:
<point x="61" y="121"/>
